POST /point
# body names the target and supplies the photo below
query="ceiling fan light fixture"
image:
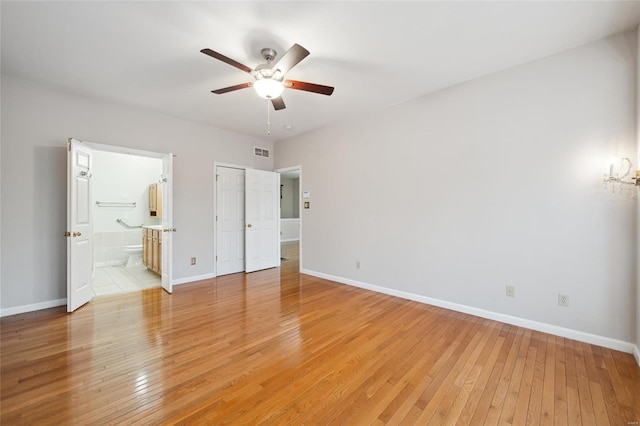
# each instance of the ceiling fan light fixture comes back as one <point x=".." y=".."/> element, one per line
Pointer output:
<point x="268" y="88"/>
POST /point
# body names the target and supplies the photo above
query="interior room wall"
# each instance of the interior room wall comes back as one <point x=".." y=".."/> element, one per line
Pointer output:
<point x="36" y="122"/>
<point x="295" y="193"/>
<point x="495" y="182"/>
<point x="288" y="203"/>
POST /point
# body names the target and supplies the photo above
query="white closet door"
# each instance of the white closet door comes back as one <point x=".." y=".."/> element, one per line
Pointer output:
<point x="230" y="195"/>
<point x="262" y="219"/>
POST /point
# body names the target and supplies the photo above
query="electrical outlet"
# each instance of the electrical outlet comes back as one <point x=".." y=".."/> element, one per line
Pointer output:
<point x="563" y="299"/>
<point x="193" y="261"/>
<point x="510" y="291"/>
<point x="357" y="264"/>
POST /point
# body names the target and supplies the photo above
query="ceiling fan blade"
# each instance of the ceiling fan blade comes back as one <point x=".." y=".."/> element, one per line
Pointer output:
<point x="278" y="103"/>
<point x="232" y="88"/>
<point x="291" y="58"/>
<point x="221" y="57"/>
<point x="309" y="87"/>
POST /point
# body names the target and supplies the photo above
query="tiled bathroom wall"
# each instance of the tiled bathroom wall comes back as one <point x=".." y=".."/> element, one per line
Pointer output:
<point x="108" y="247"/>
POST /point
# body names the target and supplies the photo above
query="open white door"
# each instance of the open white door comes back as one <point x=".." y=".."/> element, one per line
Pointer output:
<point x="262" y="220"/>
<point x="167" y="220"/>
<point x="79" y="225"/>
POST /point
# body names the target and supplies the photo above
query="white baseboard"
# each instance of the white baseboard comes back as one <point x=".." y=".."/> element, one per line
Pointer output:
<point x="289" y="240"/>
<point x="32" y="307"/>
<point x="191" y="279"/>
<point x="5" y="312"/>
<point x="581" y="336"/>
<point x="636" y="354"/>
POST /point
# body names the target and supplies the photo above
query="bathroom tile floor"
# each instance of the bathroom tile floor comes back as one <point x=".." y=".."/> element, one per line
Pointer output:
<point x="120" y="279"/>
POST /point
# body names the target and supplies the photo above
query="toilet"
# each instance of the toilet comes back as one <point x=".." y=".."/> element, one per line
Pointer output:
<point x="135" y="255"/>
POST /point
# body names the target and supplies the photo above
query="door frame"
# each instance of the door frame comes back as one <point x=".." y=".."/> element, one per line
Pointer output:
<point x="217" y="164"/>
<point x="300" y="201"/>
<point x="137" y="152"/>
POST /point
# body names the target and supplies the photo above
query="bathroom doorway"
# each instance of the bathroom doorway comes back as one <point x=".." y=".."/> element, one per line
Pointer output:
<point x="99" y="208"/>
<point x="121" y="187"/>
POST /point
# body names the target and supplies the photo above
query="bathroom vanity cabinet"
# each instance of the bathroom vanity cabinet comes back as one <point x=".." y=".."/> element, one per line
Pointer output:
<point x="152" y="249"/>
<point x="155" y="200"/>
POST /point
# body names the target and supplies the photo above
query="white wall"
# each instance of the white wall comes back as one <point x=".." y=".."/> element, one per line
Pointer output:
<point x="494" y="182"/>
<point x="290" y="201"/>
<point x="36" y="122"/>
<point x="289" y="229"/>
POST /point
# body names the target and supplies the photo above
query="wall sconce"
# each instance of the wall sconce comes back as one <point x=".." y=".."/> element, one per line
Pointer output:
<point x="620" y="182"/>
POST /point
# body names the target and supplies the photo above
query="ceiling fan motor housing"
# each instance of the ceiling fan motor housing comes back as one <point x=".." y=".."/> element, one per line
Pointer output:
<point x="268" y="54"/>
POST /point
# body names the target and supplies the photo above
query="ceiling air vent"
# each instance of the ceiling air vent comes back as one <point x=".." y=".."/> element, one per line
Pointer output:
<point x="261" y="152"/>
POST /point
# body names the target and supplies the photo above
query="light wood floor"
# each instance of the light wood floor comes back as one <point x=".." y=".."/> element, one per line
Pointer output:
<point x="277" y="347"/>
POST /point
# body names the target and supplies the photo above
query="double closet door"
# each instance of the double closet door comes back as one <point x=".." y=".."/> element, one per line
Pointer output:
<point x="247" y="220"/>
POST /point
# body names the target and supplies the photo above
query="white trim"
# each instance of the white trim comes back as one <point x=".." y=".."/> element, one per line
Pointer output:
<point x="191" y="279"/>
<point x="581" y="336"/>
<point x="636" y="354"/>
<point x="290" y="219"/>
<point x="61" y="302"/>
<point x="289" y="240"/>
<point x="32" y="307"/>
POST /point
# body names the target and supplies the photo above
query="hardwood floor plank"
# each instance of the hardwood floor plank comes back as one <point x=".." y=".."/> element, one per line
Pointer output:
<point x="510" y="403"/>
<point x="561" y="411"/>
<point x="279" y="347"/>
<point x="584" y="390"/>
<point x="535" y="399"/>
<point x="523" y="396"/>
<point x="547" y="408"/>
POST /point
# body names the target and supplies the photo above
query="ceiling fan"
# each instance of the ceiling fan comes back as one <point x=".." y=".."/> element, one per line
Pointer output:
<point x="269" y="79"/>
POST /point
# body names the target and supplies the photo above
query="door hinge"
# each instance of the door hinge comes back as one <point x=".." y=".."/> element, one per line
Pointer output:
<point x="217" y="177"/>
<point x="216" y="218"/>
<point x="68" y="144"/>
<point x="216" y="257"/>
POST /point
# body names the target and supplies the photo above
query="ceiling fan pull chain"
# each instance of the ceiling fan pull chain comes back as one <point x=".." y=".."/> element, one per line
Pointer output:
<point x="268" y="120"/>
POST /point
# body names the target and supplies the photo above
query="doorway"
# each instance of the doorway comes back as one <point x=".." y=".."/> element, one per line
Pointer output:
<point x="291" y="214"/>
<point x="121" y="209"/>
<point x="81" y="241"/>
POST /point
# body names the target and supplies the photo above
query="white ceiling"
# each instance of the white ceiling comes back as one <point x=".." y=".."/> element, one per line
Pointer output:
<point x="376" y="54"/>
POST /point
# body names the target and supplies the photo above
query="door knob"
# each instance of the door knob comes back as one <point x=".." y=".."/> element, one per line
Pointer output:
<point x="67" y="233"/>
<point x="76" y="234"/>
<point x="248" y="225"/>
<point x="174" y="230"/>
